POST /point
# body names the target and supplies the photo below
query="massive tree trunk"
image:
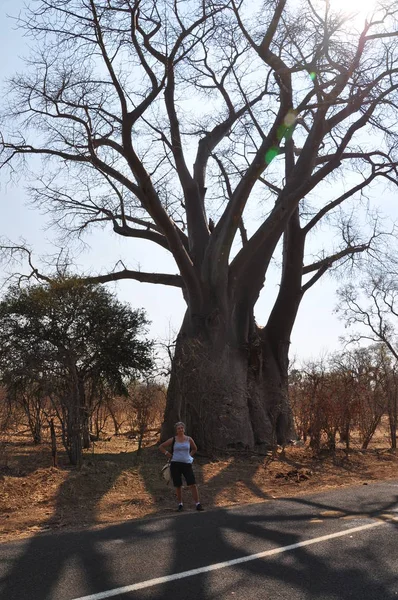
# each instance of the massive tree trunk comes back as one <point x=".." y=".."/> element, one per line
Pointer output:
<point x="229" y="394"/>
<point x="270" y="412"/>
<point x="229" y="380"/>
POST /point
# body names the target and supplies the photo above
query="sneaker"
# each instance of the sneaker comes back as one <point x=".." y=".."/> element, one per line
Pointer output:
<point x="199" y="507"/>
<point x="180" y="508"/>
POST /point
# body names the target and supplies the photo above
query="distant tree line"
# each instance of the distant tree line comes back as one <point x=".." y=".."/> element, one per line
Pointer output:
<point x="346" y="393"/>
<point x="74" y="360"/>
<point x="72" y="354"/>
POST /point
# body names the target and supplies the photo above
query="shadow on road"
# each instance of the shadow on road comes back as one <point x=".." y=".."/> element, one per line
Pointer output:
<point x="38" y="568"/>
<point x="306" y="573"/>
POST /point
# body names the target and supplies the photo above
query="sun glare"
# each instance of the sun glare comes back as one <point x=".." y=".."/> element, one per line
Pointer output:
<point x="357" y="11"/>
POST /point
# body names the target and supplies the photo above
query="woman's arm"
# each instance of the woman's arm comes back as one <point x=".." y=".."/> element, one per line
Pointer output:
<point x="163" y="446"/>
<point x="194" y="447"/>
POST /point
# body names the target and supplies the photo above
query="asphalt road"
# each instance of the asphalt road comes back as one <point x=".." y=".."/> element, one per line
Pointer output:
<point x="342" y="544"/>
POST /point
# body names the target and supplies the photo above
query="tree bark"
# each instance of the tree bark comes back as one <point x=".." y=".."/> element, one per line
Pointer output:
<point x="228" y="393"/>
<point x="53" y="444"/>
<point x="75" y="436"/>
<point x="393" y="417"/>
<point x="86" y="428"/>
<point x="74" y="418"/>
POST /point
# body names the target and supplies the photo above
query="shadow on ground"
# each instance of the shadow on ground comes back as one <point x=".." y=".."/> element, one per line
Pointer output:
<point x="65" y="566"/>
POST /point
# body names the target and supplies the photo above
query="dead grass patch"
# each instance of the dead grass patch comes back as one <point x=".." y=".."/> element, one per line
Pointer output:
<point x="115" y="484"/>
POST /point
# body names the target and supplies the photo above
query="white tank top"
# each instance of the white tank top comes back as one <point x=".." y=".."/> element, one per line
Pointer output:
<point x="181" y="452"/>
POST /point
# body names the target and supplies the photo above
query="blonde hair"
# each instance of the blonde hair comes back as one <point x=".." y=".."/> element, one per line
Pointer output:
<point x="179" y="423"/>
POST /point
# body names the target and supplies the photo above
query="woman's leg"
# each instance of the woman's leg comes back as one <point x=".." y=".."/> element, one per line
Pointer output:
<point x="175" y="469"/>
<point x="179" y="494"/>
<point x="195" y="493"/>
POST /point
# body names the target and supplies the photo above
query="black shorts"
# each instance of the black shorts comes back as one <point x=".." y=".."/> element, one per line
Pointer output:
<point x="178" y="469"/>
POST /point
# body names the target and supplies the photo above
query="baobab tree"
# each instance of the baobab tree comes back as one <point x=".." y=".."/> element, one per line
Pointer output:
<point x="173" y="121"/>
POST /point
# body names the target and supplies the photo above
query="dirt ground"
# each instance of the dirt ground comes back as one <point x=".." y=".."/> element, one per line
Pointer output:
<point x="115" y="484"/>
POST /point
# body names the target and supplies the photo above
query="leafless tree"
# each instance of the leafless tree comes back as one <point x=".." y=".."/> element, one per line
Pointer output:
<point x="272" y="104"/>
<point x="145" y="408"/>
<point x="370" y="309"/>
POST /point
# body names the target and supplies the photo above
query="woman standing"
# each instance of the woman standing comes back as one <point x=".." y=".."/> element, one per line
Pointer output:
<point x="181" y="456"/>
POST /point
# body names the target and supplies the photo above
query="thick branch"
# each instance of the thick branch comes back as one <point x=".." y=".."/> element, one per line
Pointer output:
<point x="209" y="142"/>
<point x="145" y="234"/>
<point x="196" y="220"/>
<point x="283" y="315"/>
<point x="329" y="260"/>
<point x="315" y="278"/>
<point x="162" y="278"/>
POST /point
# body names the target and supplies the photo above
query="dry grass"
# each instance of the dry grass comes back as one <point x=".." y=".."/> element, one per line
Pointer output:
<point x="114" y="484"/>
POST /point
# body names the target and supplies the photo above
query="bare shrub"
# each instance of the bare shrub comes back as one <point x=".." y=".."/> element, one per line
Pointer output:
<point x="145" y="408"/>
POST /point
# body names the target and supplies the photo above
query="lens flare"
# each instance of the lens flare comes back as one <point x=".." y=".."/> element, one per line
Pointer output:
<point x="271" y="154"/>
<point x="290" y="118"/>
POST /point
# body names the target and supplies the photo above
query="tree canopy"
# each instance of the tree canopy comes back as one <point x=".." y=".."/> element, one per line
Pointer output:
<point x="69" y="341"/>
<point x="120" y="96"/>
<point x="49" y="327"/>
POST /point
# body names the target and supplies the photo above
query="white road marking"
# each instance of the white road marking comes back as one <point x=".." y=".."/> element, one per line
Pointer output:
<point x="228" y="563"/>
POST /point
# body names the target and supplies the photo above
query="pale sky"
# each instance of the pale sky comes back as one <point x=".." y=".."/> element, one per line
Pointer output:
<point x="317" y="329"/>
